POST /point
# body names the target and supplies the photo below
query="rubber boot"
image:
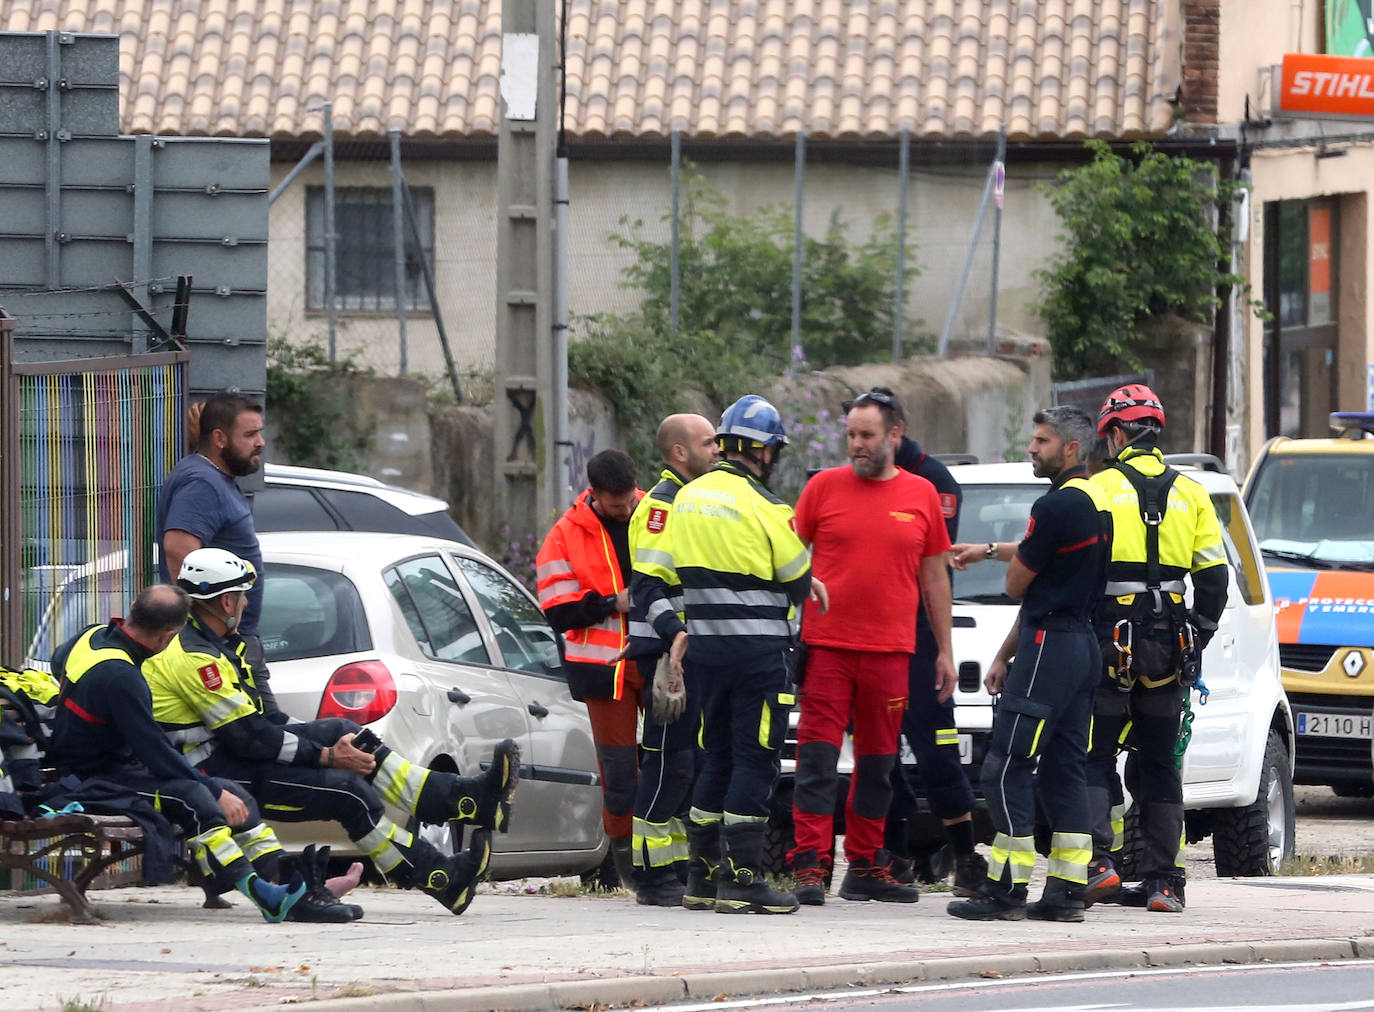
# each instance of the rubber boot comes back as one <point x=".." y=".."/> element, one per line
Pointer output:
<point x="622" y="856"/>
<point x="1062" y="900"/>
<point x="274" y="902"/>
<point x="871" y="879"/>
<point x="740" y="886"/>
<point x="483" y="800"/>
<point x="318" y="905"/>
<point x="809" y="874"/>
<point x="452" y="880"/>
<point x="703" y="865"/>
<point x="659" y="887"/>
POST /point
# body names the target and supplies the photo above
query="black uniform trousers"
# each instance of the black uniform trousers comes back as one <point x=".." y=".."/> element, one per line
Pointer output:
<point x="744" y="714"/>
<point x="929" y="728"/>
<point x="1043" y="716"/>
<point x="667" y="763"/>
<point x="1144" y="721"/>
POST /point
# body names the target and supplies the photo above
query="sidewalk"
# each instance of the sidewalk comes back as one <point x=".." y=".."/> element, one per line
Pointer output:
<point x="158" y="949"/>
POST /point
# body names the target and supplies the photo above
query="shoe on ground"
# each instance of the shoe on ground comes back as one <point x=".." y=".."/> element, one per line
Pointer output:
<point x="970" y="872"/>
<point x="748" y="894"/>
<point x="871" y="879"/>
<point x="1061" y="901"/>
<point x="664" y="893"/>
<point x="1103" y="883"/>
<point x="810" y="886"/>
<point x="1164" y="897"/>
<point x="318" y="906"/>
<point x="1130" y="896"/>
<point x="988" y="907"/>
<point x="903" y="869"/>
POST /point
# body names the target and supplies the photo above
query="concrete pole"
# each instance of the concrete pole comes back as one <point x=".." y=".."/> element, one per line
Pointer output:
<point x="398" y="240"/>
<point x="799" y="170"/>
<point x="899" y="289"/>
<point x="330" y="235"/>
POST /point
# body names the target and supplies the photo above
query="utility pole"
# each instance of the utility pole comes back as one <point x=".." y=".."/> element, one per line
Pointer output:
<point x="525" y="458"/>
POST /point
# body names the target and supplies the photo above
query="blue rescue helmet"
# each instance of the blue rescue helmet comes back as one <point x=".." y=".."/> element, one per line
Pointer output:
<point x="752" y="419"/>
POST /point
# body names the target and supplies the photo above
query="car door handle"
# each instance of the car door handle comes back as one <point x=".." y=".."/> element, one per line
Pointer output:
<point x="459" y="696"/>
<point x="538" y="711"/>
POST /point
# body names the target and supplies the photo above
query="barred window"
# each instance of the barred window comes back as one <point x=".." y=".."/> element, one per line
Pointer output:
<point x="365" y="272"/>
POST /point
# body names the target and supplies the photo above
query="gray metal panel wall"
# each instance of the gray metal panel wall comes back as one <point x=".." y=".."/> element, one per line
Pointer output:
<point x="138" y="210"/>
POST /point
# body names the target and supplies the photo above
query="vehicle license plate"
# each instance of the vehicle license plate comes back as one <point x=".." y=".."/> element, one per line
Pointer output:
<point x="1332" y="725"/>
<point x="966" y="747"/>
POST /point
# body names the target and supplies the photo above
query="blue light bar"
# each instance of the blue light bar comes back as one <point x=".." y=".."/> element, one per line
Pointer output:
<point x="1353" y="423"/>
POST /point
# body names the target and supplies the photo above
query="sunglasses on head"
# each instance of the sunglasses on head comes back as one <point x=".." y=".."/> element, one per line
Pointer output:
<point x="871" y="397"/>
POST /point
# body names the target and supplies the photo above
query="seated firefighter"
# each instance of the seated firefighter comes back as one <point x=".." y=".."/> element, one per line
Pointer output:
<point x="117" y="759"/>
<point x="27" y="702"/>
<point x="207" y="704"/>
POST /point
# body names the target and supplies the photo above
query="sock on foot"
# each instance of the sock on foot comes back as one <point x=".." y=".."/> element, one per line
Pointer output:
<point x="342" y="885"/>
<point x="961" y="836"/>
<point x="274" y="901"/>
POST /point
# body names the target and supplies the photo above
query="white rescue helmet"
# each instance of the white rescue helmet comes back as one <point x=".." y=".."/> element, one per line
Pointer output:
<point x="209" y="572"/>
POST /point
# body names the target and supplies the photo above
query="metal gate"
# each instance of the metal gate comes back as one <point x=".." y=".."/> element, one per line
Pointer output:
<point x="84" y="447"/>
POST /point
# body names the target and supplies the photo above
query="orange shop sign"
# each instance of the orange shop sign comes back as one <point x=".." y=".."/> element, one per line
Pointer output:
<point x="1313" y="84"/>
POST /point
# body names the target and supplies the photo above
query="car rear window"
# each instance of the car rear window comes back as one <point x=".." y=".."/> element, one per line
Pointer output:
<point x="308" y="612"/>
<point x="364" y="512"/>
<point x="284" y="508"/>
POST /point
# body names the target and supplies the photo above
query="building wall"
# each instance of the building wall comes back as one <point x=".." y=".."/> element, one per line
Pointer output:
<point x="1252" y="36"/>
<point x="609" y="197"/>
<point x="1289" y="174"/>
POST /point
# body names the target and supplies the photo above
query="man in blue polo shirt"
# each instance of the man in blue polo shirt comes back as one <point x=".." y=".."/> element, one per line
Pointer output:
<point x="201" y="505"/>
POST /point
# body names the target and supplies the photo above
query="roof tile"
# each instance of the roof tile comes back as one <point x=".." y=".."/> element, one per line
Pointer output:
<point x="748" y="68"/>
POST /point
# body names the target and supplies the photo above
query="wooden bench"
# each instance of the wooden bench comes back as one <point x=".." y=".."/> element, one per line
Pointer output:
<point x="71" y="854"/>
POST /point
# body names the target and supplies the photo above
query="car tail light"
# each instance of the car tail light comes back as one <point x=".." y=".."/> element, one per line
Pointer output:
<point x="362" y="692"/>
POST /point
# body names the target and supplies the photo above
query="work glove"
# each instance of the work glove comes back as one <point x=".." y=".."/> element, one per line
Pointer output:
<point x="670" y="693"/>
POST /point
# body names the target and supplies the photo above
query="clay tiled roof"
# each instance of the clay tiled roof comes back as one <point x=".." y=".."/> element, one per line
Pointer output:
<point x="640" y="68"/>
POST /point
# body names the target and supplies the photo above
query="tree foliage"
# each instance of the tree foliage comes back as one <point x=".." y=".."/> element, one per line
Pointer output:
<point x="1141" y="239"/>
<point x="735" y="309"/>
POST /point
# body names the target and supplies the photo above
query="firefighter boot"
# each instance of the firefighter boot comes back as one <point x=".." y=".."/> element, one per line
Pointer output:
<point x="322" y="874"/>
<point x="871" y="879"/>
<point x="997" y="900"/>
<point x="318" y="905"/>
<point x="482" y="800"/>
<point x="1103" y="882"/>
<point x="622" y="856"/>
<point x="703" y="866"/>
<point x="809" y="874"/>
<point x="453" y="880"/>
<point x="740" y="887"/>
<point x="970" y="872"/>
<point x="1164" y="896"/>
<point x="1062" y="900"/>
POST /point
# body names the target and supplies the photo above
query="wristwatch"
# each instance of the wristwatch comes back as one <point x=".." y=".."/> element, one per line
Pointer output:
<point x="991" y="553"/>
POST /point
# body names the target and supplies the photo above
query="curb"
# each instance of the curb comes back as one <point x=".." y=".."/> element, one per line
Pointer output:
<point x="653" y="990"/>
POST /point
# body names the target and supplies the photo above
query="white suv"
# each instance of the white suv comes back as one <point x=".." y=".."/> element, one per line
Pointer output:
<point x="1238" y="770"/>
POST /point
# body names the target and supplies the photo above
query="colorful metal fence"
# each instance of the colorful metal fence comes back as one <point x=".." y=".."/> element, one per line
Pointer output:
<point x="87" y="445"/>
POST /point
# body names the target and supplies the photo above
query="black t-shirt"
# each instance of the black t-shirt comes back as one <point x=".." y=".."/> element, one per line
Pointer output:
<point x="1066" y="546"/>
<point x="910" y="457"/>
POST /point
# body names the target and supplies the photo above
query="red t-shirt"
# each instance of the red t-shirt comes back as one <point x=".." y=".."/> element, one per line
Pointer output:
<point x="867" y="542"/>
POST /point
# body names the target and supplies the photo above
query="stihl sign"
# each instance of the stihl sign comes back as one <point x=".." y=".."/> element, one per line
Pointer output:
<point x="1341" y="87"/>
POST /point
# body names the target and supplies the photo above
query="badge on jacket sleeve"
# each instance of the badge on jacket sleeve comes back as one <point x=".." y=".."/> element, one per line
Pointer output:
<point x="658" y="520"/>
<point x="949" y="505"/>
<point x="209" y="675"/>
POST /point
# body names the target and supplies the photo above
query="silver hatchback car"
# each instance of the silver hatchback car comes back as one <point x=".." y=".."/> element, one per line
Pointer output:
<point x="443" y="654"/>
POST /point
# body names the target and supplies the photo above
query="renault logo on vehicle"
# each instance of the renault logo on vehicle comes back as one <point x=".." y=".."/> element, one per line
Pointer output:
<point x="1353" y="663"/>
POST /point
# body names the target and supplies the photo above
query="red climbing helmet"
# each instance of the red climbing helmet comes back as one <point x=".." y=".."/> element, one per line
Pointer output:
<point x="1131" y="405"/>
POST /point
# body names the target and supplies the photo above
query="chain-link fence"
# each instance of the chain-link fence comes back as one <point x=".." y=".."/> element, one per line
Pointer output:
<point x="84" y="448"/>
<point x="974" y="235"/>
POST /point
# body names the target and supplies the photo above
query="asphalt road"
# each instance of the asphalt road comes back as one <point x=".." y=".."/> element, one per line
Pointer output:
<point x="1298" y="987"/>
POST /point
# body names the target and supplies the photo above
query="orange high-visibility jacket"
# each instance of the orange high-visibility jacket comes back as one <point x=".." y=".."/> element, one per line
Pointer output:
<point x="576" y="557"/>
